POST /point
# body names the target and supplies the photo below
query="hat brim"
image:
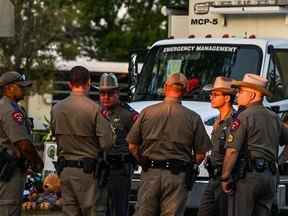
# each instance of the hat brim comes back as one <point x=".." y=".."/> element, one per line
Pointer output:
<point x="225" y="90"/>
<point x="264" y="91"/>
<point x="104" y="88"/>
<point x="27" y="83"/>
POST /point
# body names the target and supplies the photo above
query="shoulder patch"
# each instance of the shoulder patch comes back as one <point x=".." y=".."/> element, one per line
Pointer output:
<point x="134" y="113"/>
<point x="135" y="116"/>
<point x="105" y="113"/>
<point x="18" y="117"/>
<point x="235" y="124"/>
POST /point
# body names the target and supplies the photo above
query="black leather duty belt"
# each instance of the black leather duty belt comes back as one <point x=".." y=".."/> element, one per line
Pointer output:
<point x="173" y="164"/>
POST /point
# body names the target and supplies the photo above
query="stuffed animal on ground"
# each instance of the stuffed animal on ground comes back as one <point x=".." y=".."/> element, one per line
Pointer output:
<point x="50" y="198"/>
<point x="30" y="203"/>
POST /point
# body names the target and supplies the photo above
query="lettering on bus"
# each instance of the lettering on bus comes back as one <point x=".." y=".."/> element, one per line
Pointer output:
<point x="205" y="21"/>
<point x="198" y="48"/>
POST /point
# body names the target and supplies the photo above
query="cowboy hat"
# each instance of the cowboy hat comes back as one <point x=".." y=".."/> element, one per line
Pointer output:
<point x="253" y="81"/>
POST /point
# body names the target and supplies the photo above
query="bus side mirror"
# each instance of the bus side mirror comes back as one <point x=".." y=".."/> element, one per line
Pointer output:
<point x="136" y="57"/>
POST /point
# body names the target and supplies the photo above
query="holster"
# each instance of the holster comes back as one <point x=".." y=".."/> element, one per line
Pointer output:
<point x="209" y="167"/>
<point x="192" y="171"/>
<point x="59" y="165"/>
<point x="8" y="166"/>
<point x="102" y="172"/>
<point x="144" y="163"/>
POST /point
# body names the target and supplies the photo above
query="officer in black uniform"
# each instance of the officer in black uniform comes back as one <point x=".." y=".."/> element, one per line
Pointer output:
<point x="122" y="117"/>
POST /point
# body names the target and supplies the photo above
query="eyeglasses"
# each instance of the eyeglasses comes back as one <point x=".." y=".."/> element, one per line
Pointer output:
<point x="241" y="91"/>
<point x="214" y="95"/>
<point x="108" y="93"/>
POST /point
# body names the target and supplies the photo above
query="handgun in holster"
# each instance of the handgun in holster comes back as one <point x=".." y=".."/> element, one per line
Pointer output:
<point x="102" y="171"/>
<point x="192" y="171"/>
<point x="8" y="165"/>
<point x="88" y="165"/>
<point x="59" y="165"/>
<point x="209" y="167"/>
<point x="145" y="163"/>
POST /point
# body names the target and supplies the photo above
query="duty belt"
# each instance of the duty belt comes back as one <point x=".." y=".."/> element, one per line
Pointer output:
<point x="260" y="165"/>
<point x="73" y="163"/>
<point x="173" y="164"/>
<point x="119" y="158"/>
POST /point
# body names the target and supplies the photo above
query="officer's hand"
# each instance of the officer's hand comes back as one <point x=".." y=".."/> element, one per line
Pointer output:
<point x="200" y="158"/>
<point x="226" y="187"/>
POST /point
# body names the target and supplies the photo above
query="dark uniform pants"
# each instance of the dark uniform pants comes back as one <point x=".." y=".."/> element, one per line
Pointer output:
<point x="161" y="193"/>
<point x="80" y="193"/>
<point x="11" y="195"/>
<point x="214" y="200"/>
<point x="118" y="190"/>
<point x="254" y="195"/>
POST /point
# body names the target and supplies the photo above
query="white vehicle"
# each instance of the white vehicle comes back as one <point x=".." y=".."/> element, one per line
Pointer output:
<point x="202" y="59"/>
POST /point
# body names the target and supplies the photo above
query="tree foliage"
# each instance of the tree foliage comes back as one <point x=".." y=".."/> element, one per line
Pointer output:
<point x="101" y="29"/>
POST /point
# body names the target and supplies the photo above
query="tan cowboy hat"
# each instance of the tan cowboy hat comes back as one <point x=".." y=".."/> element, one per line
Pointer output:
<point x="222" y="84"/>
<point x="255" y="82"/>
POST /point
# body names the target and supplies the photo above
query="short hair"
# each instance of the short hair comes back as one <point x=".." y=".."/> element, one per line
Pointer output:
<point x="232" y="98"/>
<point x="79" y="76"/>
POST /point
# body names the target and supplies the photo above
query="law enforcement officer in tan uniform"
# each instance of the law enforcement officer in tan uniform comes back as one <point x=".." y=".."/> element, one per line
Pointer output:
<point x="81" y="132"/>
<point x="15" y="144"/>
<point x="214" y="200"/>
<point x="121" y="163"/>
<point x="162" y="140"/>
<point x="250" y="160"/>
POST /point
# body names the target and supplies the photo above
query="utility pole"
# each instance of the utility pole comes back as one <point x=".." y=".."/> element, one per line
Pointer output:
<point x="7" y="18"/>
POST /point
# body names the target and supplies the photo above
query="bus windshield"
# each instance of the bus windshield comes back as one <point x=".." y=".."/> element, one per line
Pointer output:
<point x="201" y="63"/>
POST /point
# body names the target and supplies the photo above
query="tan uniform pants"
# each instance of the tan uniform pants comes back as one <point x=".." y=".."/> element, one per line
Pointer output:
<point x="11" y="195"/>
<point x="161" y="193"/>
<point x="80" y="193"/>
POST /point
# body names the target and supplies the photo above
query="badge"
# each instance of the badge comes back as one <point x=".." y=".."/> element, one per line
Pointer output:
<point x="230" y="138"/>
<point x="18" y="117"/>
<point x="235" y="124"/>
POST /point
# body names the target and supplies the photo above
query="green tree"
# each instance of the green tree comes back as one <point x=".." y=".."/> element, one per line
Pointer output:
<point x="102" y="29"/>
<point x="41" y="28"/>
<point x="114" y="27"/>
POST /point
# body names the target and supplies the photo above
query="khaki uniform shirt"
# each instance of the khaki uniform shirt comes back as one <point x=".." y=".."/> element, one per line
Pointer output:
<point x="122" y="117"/>
<point x="80" y="129"/>
<point x="169" y="130"/>
<point x="14" y="124"/>
<point x="260" y="130"/>
<point x="218" y="138"/>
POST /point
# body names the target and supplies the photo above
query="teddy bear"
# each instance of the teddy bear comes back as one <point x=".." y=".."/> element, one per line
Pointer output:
<point x="30" y="202"/>
<point x="51" y="197"/>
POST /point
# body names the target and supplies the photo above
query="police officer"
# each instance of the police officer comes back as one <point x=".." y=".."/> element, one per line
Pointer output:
<point x="81" y="132"/>
<point x="15" y="144"/>
<point x="250" y="159"/>
<point x="122" y="117"/>
<point x="162" y="140"/>
<point x="214" y="201"/>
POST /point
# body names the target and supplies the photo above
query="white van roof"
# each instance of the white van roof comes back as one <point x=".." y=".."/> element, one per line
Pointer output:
<point x="258" y="42"/>
<point x="92" y="65"/>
